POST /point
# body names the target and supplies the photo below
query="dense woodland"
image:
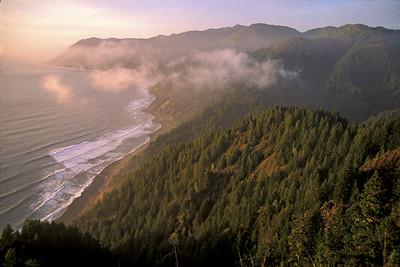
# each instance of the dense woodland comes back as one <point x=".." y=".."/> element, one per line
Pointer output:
<point x="254" y="179"/>
<point x="286" y="186"/>
<point x="51" y="244"/>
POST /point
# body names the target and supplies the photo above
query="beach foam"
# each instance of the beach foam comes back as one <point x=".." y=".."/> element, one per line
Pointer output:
<point x="78" y="164"/>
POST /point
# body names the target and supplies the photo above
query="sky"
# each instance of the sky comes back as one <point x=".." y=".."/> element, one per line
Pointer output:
<point x="39" y="30"/>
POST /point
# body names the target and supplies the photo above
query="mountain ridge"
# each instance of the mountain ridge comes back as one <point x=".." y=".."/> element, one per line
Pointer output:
<point x="306" y="32"/>
<point x="241" y="38"/>
<point x="352" y="68"/>
<point x="228" y="28"/>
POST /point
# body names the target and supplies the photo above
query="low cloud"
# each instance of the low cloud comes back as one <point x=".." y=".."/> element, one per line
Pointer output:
<point x="200" y="70"/>
<point x="121" y="65"/>
<point x="119" y="78"/>
<point x="222" y="68"/>
<point x="62" y="93"/>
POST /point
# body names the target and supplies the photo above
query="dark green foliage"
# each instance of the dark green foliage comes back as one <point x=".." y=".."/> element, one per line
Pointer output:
<point x="286" y="186"/>
<point x="283" y="187"/>
<point x="51" y="244"/>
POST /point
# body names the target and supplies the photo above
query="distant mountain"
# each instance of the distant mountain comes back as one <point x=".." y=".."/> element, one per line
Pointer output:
<point x="353" y="69"/>
<point x="103" y="53"/>
<point x="353" y="33"/>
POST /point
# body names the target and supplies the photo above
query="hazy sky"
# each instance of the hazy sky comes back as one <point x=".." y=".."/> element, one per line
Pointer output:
<point x="40" y="29"/>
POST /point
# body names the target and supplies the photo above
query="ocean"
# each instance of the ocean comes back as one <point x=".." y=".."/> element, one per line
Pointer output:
<point x="57" y="132"/>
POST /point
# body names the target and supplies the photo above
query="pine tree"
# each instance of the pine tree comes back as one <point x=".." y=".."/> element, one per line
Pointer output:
<point x="10" y="259"/>
<point x="373" y="199"/>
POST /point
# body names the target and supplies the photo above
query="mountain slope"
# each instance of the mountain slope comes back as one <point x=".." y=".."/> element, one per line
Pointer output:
<point x="352" y="69"/>
<point x="275" y="188"/>
<point x="285" y="186"/>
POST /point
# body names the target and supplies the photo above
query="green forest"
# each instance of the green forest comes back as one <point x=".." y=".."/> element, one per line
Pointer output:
<point x="286" y="186"/>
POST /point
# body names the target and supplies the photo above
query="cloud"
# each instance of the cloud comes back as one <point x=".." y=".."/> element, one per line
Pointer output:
<point x="213" y="70"/>
<point x="122" y="64"/>
<point x="222" y="68"/>
<point x="62" y="93"/>
<point x="119" y="78"/>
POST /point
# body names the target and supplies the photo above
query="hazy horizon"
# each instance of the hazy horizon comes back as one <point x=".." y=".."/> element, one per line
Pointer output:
<point x="48" y="28"/>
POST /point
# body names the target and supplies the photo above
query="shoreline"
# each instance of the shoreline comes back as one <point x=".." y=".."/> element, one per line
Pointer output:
<point x="104" y="181"/>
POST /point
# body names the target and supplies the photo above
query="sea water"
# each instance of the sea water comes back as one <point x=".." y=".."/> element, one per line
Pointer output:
<point x="52" y="150"/>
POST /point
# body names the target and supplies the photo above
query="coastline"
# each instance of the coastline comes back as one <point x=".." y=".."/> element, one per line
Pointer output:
<point x="104" y="181"/>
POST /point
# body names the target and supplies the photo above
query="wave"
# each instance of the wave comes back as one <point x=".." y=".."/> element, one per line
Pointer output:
<point x="77" y="165"/>
<point x="54" y="205"/>
<point x="137" y="106"/>
<point x="21" y="188"/>
<point x="34" y="150"/>
<point x="77" y="157"/>
<point x="16" y="205"/>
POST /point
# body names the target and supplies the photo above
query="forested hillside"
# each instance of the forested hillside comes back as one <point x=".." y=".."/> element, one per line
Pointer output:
<point x="285" y="186"/>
